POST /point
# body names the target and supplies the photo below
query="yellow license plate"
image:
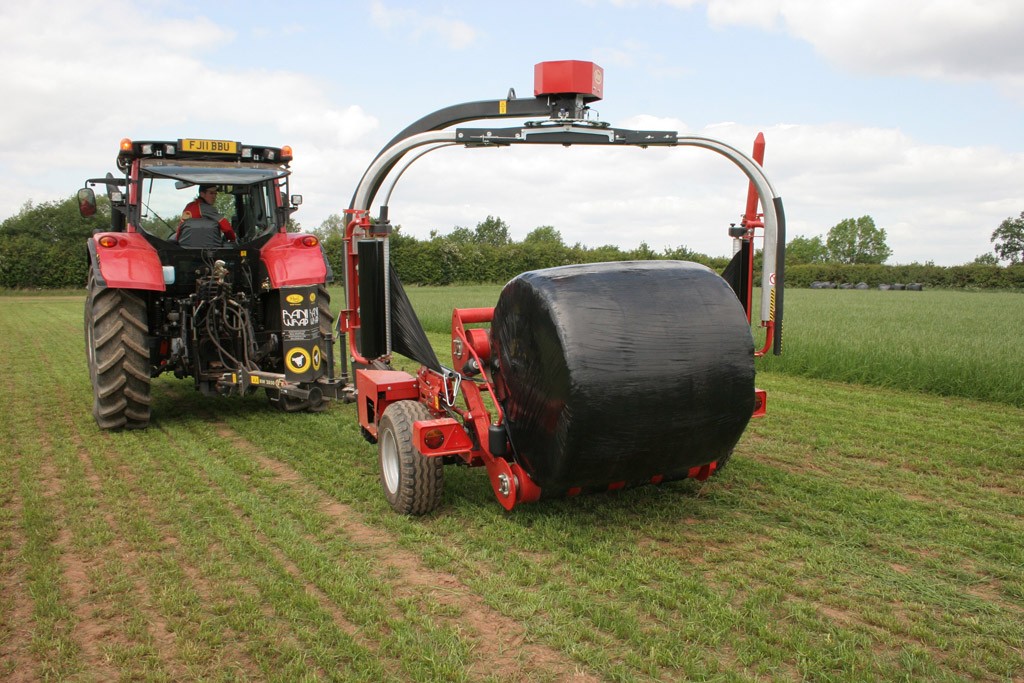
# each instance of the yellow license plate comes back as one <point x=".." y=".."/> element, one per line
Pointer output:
<point x="209" y="146"/>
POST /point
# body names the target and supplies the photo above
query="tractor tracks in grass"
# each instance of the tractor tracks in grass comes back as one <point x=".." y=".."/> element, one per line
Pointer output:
<point x="254" y="637"/>
<point x="118" y="625"/>
<point x="16" y="662"/>
<point x="86" y="631"/>
<point x="501" y="647"/>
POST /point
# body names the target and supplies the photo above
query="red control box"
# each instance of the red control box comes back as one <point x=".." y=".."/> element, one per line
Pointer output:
<point x="569" y="76"/>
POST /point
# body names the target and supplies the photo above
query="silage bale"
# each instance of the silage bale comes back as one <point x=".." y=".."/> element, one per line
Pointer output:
<point x="617" y="373"/>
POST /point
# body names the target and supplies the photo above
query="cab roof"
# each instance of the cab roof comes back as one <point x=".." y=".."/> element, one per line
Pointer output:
<point x="202" y="149"/>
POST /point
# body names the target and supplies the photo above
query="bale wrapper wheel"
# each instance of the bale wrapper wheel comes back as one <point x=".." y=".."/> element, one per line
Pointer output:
<point x="582" y="378"/>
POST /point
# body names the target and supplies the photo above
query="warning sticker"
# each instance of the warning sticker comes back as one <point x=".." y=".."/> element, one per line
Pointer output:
<point x="301" y="334"/>
<point x="316" y="358"/>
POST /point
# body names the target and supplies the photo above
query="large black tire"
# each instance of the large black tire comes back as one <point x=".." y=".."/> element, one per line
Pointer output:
<point x="412" y="483"/>
<point x="115" y="348"/>
<point x="289" y="404"/>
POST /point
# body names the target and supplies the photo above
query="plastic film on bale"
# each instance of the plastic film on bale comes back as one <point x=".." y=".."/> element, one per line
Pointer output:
<point x="619" y="374"/>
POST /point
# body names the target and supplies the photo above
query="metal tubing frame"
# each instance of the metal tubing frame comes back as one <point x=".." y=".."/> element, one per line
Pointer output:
<point x="771" y="202"/>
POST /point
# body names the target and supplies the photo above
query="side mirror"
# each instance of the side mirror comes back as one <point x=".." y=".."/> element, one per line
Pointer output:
<point x="296" y="200"/>
<point x="87" y="202"/>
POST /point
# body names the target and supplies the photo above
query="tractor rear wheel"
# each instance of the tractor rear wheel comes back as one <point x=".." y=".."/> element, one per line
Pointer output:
<point x="115" y="348"/>
<point x="412" y="483"/>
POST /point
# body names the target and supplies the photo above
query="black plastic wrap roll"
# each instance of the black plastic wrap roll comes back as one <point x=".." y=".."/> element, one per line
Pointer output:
<point x="619" y="373"/>
<point x="407" y="334"/>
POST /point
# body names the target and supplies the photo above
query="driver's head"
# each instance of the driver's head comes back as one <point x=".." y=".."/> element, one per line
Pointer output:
<point x="208" y="193"/>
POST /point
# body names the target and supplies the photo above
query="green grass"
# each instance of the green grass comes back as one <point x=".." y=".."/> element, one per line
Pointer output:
<point x="860" y="534"/>
<point x="950" y="343"/>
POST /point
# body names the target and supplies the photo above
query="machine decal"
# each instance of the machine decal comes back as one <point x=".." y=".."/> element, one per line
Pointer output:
<point x="298" y="360"/>
<point x="316" y="357"/>
<point x="301" y="334"/>
<point x="294" y="299"/>
<point x="301" y="317"/>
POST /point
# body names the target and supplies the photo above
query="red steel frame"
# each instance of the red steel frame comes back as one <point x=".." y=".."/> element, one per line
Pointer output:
<point x="752" y="220"/>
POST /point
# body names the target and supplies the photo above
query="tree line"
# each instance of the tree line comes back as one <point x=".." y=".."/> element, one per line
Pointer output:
<point x="43" y="246"/>
<point x="488" y="254"/>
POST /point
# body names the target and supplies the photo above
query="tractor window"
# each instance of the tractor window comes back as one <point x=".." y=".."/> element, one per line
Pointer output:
<point x="163" y="200"/>
<point x="251" y="209"/>
<point x="161" y="206"/>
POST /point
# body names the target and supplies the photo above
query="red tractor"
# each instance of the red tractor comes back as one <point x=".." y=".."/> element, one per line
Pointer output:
<point x="583" y="378"/>
<point x="168" y="292"/>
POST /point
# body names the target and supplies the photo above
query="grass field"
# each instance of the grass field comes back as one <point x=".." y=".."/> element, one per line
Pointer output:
<point x="860" y="533"/>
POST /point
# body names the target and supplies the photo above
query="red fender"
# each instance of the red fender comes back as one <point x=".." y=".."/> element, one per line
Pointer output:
<point x="294" y="259"/>
<point x="125" y="260"/>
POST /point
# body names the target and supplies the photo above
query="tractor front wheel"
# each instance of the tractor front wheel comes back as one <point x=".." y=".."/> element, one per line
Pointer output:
<point x="412" y="483"/>
<point x="115" y="347"/>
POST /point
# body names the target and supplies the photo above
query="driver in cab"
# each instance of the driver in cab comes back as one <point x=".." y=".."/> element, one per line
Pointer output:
<point x="201" y="225"/>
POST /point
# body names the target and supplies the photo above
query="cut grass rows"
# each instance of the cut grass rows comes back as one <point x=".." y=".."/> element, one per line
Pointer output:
<point x="190" y="490"/>
<point x="859" y="534"/>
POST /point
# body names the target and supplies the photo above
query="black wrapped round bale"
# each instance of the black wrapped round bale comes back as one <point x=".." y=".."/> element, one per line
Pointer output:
<point x="617" y="374"/>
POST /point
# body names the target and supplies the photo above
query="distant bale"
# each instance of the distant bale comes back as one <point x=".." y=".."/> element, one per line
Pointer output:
<point x="846" y="285"/>
<point x="915" y="287"/>
<point x="884" y="287"/>
<point x="861" y="285"/>
<point x="898" y="286"/>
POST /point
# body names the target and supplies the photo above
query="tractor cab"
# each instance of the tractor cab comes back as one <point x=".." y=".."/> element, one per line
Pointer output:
<point x="162" y="178"/>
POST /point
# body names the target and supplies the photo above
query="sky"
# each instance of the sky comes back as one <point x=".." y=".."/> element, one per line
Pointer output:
<point x="910" y="112"/>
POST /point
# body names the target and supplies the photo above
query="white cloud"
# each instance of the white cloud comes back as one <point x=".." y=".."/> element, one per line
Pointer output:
<point x="72" y="94"/>
<point x="453" y="33"/>
<point x="975" y="39"/>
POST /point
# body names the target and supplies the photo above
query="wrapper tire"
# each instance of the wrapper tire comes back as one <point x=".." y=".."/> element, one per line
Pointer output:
<point x="413" y="484"/>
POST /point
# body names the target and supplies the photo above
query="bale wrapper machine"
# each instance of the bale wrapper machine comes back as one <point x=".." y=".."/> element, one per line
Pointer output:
<point x="582" y="378"/>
